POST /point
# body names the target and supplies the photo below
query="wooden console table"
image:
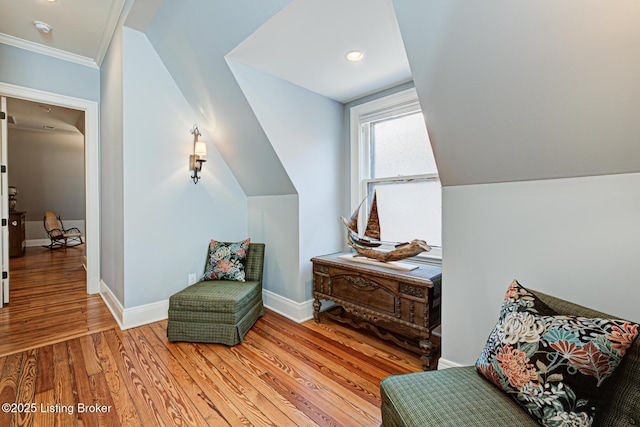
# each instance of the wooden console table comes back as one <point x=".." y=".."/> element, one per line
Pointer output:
<point x="401" y="306"/>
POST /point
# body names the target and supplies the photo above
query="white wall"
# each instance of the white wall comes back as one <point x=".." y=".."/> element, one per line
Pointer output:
<point x="168" y="220"/>
<point x="28" y="69"/>
<point x="305" y="130"/>
<point x="273" y="220"/>
<point x="192" y="39"/>
<point x="575" y="238"/>
<point x="111" y="168"/>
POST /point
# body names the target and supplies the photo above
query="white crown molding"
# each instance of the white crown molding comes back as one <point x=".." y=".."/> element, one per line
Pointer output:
<point x="46" y="50"/>
<point x="110" y="28"/>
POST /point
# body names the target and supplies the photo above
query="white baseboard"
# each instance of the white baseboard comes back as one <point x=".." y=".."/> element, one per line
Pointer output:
<point x="112" y="303"/>
<point x="296" y="311"/>
<point x="444" y="364"/>
<point x="37" y="242"/>
<point x="135" y="316"/>
<point x="145" y="314"/>
<point x="40" y="242"/>
<point x="149" y="313"/>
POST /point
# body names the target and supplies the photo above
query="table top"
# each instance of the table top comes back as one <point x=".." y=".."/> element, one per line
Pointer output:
<point x="424" y="272"/>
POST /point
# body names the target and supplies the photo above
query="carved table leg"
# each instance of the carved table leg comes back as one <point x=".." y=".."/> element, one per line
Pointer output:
<point x="316" y="309"/>
<point x="429" y="360"/>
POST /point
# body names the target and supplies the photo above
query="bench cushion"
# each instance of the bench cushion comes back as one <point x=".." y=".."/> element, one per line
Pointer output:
<point x="451" y="397"/>
<point x="221" y="333"/>
<point x="227" y="297"/>
<point x="214" y="311"/>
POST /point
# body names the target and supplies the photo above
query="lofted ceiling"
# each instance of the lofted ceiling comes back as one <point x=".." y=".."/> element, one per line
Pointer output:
<point x="81" y="30"/>
<point x="306" y="43"/>
<point x="510" y="91"/>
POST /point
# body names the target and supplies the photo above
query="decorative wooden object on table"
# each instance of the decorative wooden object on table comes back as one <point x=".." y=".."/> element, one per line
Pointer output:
<point x="366" y="245"/>
<point x="401" y="306"/>
<point x="17" y="241"/>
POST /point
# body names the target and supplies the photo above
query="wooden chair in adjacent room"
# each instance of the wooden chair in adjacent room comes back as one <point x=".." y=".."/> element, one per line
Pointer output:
<point x="60" y="237"/>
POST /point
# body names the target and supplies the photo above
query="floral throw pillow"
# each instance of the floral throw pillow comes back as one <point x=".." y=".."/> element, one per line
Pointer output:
<point x="226" y="261"/>
<point x="556" y="367"/>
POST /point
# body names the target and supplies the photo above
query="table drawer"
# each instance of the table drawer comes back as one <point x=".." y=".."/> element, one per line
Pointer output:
<point x="369" y="292"/>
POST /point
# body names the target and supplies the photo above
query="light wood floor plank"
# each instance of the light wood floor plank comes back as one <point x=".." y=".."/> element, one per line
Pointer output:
<point x="62" y="392"/>
<point x="124" y="404"/>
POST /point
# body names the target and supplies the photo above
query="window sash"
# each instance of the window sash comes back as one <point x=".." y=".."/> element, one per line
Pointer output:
<point x="361" y="118"/>
<point x="367" y="183"/>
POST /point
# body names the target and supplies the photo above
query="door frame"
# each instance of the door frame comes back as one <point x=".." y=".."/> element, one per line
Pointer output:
<point x="91" y="168"/>
<point x="4" y="209"/>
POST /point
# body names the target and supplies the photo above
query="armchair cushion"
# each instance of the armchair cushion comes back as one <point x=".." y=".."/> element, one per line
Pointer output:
<point x="226" y="261"/>
<point x="555" y="366"/>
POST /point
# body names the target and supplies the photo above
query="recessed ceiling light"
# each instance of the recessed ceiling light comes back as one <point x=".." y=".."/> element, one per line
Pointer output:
<point x="354" y="55"/>
<point x="43" y="27"/>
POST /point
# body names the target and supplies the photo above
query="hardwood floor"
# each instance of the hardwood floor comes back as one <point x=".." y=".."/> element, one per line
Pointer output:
<point x="283" y="374"/>
<point x="48" y="301"/>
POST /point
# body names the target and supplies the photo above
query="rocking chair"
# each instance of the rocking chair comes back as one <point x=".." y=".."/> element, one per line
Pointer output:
<point x="60" y="237"/>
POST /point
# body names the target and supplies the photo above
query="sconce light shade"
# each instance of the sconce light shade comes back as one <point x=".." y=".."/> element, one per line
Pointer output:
<point x="200" y="148"/>
<point x="199" y="151"/>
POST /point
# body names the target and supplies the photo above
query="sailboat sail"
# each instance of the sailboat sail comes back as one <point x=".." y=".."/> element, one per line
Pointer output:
<point x="373" y="222"/>
<point x="364" y="245"/>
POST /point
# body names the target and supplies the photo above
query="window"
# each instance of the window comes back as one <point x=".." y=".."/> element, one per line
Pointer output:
<point x="391" y="155"/>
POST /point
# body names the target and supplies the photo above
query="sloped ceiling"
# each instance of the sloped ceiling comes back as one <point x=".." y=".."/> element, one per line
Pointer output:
<point x="306" y="43"/>
<point x="529" y="90"/>
<point x="192" y="38"/>
<point x="303" y="42"/>
<point x="511" y="91"/>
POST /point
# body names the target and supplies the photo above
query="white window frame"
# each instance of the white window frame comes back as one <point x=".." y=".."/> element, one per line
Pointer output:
<point x="393" y="105"/>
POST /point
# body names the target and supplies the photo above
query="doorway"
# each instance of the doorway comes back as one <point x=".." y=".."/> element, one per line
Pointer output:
<point x="91" y="166"/>
<point x="45" y="171"/>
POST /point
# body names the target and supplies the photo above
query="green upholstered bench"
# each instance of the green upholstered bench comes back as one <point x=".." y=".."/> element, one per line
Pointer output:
<point x="462" y="397"/>
<point x="219" y="311"/>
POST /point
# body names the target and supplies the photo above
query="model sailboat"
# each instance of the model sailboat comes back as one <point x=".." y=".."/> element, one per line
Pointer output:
<point x="366" y="245"/>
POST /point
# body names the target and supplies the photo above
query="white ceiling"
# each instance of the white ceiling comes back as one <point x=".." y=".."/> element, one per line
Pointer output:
<point x="35" y="116"/>
<point x="306" y="43"/>
<point x="81" y="29"/>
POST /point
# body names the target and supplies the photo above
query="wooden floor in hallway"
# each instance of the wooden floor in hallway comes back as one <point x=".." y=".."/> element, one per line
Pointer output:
<point x="48" y="300"/>
<point x="72" y="366"/>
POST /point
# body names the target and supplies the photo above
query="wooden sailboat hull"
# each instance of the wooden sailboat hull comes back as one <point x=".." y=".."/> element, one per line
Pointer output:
<point x="364" y="246"/>
<point x="415" y="247"/>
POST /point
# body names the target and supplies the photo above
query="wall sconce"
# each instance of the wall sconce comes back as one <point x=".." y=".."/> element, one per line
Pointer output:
<point x="199" y="151"/>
